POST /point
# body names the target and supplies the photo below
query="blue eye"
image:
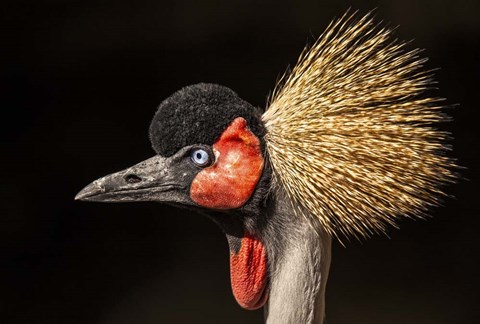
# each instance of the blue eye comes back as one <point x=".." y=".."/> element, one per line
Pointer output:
<point x="200" y="157"/>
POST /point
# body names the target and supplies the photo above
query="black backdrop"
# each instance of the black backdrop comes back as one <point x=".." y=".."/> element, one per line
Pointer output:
<point x="80" y="83"/>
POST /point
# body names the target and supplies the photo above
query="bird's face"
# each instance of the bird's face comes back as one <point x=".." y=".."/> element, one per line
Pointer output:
<point x="210" y="157"/>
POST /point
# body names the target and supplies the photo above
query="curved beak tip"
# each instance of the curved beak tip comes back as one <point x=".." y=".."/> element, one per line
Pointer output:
<point x="80" y="196"/>
<point x="89" y="192"/>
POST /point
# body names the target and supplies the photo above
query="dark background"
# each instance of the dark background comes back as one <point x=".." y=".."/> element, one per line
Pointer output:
<point x="80" y="81"/>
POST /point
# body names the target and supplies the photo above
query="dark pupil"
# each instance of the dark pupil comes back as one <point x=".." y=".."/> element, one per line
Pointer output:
<point x="199" y="156"/>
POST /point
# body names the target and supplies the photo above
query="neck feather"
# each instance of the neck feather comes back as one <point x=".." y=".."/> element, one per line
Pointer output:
<point x="299" y="259"/>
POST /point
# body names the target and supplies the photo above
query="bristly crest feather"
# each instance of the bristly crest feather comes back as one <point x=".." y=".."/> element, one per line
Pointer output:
<point x="350" y="137"/>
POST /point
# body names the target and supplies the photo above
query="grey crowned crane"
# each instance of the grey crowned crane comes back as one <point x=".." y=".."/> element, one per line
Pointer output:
<point x="346" y="146"/>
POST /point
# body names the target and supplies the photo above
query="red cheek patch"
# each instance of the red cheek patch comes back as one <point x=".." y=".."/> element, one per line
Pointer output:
<point x="231" y="180"/>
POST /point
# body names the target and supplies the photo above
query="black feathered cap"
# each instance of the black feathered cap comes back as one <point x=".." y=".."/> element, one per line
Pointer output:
<point x="198" y="114"/>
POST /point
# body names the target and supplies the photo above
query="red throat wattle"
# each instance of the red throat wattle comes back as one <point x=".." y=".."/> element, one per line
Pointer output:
<point x="248" y="273"/>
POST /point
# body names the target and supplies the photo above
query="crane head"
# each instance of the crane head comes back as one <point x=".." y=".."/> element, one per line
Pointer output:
<point x="210" y="157"/>
<point x="348" y="143"/>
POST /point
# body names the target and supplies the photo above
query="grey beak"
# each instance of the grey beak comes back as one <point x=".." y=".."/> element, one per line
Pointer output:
<point x="150" y="180"/>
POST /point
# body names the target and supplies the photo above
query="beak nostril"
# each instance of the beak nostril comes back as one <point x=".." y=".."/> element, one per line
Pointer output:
<point x="132" y="178"/>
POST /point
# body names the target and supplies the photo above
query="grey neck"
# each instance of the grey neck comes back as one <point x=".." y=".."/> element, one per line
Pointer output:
<point x="299" y="264"/>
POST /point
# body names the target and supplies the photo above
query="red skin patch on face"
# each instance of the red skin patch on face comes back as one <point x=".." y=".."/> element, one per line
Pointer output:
<point x="248" y="273"/>
<point x="231" y="180"/>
